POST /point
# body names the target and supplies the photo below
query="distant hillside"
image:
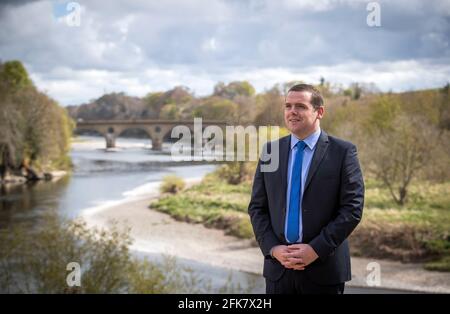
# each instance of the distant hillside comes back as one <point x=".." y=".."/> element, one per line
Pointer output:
<point x="172" y="104"/>
<point x="237" y="103"/>
<point x="109" y="107"/>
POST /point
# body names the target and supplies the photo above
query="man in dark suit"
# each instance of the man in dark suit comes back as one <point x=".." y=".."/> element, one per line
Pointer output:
<point x="303" y="212"/>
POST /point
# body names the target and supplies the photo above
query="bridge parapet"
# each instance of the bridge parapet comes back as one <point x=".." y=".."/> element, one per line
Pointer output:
<point x="156" y="129"/>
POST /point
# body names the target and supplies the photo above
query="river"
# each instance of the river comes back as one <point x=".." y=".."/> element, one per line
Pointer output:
<point x="100" y="178"/>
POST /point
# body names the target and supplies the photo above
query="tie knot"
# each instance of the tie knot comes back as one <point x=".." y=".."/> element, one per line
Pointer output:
<point x="300" y="145"/>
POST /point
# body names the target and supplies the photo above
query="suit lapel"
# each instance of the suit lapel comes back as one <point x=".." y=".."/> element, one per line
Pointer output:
<point x="285" y="144"/>
<point x="322" y="146"/>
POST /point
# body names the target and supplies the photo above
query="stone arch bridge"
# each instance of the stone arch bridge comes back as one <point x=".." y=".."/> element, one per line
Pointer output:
<point x="157" y="130"/>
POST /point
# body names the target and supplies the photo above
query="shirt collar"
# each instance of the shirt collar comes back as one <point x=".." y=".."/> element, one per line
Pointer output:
<point x="310" y="141"/>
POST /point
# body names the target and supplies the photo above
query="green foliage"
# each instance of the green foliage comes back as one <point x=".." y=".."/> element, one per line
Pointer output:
<point x="236" y="172"/>
<point x="343" y="118"/>
<point x="170" y="112"/>
<point x="216" y="108"/>
<point x="396" y="134"/>
<point x="382" y="114"/>
<point x="213" y="203"/>
<point x="15" y="76"/>
<point x="443" y="264"/>
<point x="415" y="232"/>
<point x="166" y="105"/>
<point x="154" y="103"/>
<point x="356" y="91"/>
<point x="34" y="260"/>
<point x="398" y="152"/>
<point x="348" y="92"/>
<point x="234" y="89"/>
<point x="444" y="107"/>
<point x="34" y="130"/>
<point x="167" y="277"/>
<point x="172" y="184"/>
<point x="269" y="106"/>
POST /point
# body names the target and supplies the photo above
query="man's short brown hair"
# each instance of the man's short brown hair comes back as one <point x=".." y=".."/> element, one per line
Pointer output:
<point x="316" y="97"/>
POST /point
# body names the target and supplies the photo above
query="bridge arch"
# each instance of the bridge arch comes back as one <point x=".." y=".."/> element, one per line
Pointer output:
<point x="157" y="130"/>
<point x="102" y="131"/>
<point x="136" y="132"/>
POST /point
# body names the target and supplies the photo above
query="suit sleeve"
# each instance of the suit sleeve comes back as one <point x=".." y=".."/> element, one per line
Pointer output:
<point x="351" y="203"/>
<point x="258" y="210"/>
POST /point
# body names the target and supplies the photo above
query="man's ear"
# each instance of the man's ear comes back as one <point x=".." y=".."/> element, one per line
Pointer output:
<point x="320" y="112"/>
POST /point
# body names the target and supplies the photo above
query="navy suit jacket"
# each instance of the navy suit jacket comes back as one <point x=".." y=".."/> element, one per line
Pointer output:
<point x="332" y="206"/>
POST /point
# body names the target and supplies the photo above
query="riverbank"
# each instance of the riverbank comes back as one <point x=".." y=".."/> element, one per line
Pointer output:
<point x="414" y="233"/>
<point x="158" y="233"/>
<point x="45" y="176"/>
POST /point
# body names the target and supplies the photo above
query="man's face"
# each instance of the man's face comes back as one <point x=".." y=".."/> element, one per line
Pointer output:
<point x="299" y="114"/>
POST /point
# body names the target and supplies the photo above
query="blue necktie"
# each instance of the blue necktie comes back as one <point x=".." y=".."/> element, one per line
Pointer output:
<point x="293" y="227"/>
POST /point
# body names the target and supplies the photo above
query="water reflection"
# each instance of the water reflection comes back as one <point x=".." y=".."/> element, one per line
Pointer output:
<point x="23" y="202"/>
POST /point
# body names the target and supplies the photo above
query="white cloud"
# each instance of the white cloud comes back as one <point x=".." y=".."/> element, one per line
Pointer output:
<point x="78" y="86"/>
<point x="141" y="46"/>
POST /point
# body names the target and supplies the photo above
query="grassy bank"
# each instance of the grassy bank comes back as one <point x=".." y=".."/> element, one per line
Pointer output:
<point x="213" y="203"/>
<point x="417" y="232"/>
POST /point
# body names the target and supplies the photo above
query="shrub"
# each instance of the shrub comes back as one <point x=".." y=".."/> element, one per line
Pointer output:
<point x="236" y="172"/>
<point x="34" y="260"/>
<point x="172" y="184"/>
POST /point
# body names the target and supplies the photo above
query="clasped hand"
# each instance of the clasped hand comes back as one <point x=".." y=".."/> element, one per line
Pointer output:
<point x="295" y="256"/>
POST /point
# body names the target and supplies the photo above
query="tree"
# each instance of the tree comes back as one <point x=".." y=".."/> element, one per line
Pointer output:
<point x="444" y="107"/>
<point x="233" y="89"/>
<point x="217" y="108"/>
<point x="356" y="91"/>
<point x="398" y="147"/>
<point x="11" y="136"/>
<point x="169" y="112"/>
<point x="14" y="75"/>
<point x="155" y="102"/>
<point x="34" y="129"/>
<point x="270" y="107"/>
<point x="246" y="109"/>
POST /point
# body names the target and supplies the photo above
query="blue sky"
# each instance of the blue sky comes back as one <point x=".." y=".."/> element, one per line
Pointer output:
<point x="144" y="46"/>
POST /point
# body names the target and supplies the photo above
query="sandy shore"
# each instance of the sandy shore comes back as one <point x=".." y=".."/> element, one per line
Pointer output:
<point x="155" y="232"/>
